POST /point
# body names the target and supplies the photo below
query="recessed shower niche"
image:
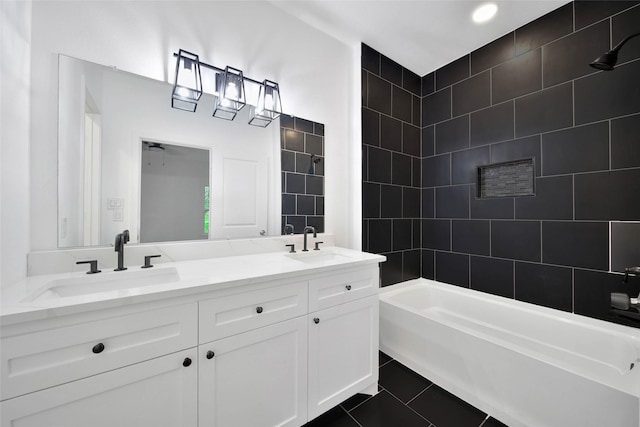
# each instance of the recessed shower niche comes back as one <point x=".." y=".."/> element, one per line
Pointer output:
<point x="507" y="179"/>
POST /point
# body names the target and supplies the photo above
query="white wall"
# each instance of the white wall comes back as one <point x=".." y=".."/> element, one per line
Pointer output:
<point x="15" y="38"/>
<point x="315" y="73"/>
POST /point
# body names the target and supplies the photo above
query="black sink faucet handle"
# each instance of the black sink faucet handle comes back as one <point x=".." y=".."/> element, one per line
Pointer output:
<point x="292" y="247"/>
<point x="93" y="266"/>
<point x="631" y="270"/>
<point x="147" y="260"/>
<point x="317" y="248"/>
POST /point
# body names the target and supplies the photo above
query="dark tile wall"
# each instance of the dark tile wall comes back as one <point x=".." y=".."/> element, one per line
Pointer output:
<point x="528" y="94"/>
<point x="302" y="157"/>
<point x="391" y="152"/>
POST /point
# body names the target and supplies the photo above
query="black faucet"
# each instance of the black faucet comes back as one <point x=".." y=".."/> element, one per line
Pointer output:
<point x="631" y="270"/>
<point x="121" y="240"/>
<point x="307" y="229"/>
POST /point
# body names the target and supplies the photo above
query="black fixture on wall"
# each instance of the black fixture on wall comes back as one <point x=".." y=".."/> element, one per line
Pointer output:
<point x="607" y="62"/>
<point x="229" y="91"/>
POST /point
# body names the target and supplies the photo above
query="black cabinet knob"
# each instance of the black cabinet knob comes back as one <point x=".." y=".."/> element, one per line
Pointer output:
<point x="316" y="320"/>
<point x="210" y="354"/>
<point x="98" y="348"/>
<point x="186" y="362"/>
<point x="348" y="287"/>
<point x="258" y="310"/>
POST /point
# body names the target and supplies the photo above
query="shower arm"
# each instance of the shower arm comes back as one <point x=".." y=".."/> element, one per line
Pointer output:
<point x="626" y="39"/>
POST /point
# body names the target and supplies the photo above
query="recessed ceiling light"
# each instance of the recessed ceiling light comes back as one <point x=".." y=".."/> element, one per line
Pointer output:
<point x="484" y="13"/>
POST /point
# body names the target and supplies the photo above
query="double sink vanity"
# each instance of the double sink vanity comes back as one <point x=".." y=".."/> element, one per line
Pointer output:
<point x="260" y="338"/>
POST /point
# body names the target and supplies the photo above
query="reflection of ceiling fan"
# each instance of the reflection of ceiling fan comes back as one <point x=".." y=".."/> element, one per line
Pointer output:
<point x="153" y="145"/>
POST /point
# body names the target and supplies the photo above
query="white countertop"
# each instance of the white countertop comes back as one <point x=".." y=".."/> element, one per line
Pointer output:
<point x="24" y="301"/>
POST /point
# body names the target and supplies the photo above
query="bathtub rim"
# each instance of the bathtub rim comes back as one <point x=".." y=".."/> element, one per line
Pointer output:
<point x="628" y="332"/>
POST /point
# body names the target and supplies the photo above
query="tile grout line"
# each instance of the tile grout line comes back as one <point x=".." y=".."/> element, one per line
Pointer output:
<point x="409" y="407"/>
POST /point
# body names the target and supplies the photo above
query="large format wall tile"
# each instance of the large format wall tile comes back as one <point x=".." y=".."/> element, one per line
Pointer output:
<point x="464" y="164"/>
<point x="527" y="95"/>
<point x="606" y="95"/>
<point x="452" y="72"/>
<point x="492" y="124"/>
<point x="553" y="200"/>
<point x="579" y="149"/>
<point x="452" y="268"/>
<point x="625" y="142"/>
<point x="471" y="94"/>
<point x="545" y="285"/>
<point x="608" y="195"/>
<point x="492" y="275"/>
<point x="589" y="11"/>
<point x="576" y="244"/>
<point x="543" y="111"/>
<point x="471" y="236"/>
<point x="516" y="77"/>
<point x="623" y="25"/>
<point x="516" y="240"/>
<point x="568" y="58"/>
<point x="452" y="135"/>
<point x="436" y="107"/>
<point x="545" y="29"/>
<point x="492" y="54"/>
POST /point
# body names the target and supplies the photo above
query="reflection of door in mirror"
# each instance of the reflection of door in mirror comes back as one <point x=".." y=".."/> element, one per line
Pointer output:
<point x="174" y="193"/>
<point x="92" y="161"/>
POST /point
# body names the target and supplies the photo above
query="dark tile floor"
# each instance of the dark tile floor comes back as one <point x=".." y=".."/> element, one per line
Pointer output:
<point x="406" y="399"/>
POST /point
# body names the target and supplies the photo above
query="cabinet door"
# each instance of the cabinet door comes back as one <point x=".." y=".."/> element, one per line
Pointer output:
<point x="257" y="378"/>
<point x="159" y="392"/>
<point x="343" y="353"/>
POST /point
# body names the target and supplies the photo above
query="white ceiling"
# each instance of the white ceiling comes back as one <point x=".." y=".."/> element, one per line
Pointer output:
<point x="421" y="35"/>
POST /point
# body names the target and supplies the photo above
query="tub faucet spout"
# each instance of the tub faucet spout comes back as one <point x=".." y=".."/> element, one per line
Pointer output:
<point x="308" y="229"/>
<point x="631" y="270"/>
<point x="121" y="240"/>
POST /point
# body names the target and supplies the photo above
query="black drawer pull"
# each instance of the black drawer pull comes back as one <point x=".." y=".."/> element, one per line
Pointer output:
<point x="186" y="362"/>
<point x="348" y="287"/>
<point x="258" y="310"/>
<point x="98" y="348"/>
<point x="210" y="354"/>
<point x="316" y="320"/>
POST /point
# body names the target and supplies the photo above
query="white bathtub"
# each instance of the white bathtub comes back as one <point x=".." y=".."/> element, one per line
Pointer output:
<point x="523" y="364"/>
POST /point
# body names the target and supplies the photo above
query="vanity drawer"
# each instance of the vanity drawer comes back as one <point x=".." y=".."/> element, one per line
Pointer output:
<point x="233" y="314"/>
<point x="50" y="357"/>
<point x="340" y="288"/>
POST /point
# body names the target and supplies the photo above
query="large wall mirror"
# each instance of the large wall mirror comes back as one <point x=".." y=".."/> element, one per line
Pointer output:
<point x="127" y="160"/>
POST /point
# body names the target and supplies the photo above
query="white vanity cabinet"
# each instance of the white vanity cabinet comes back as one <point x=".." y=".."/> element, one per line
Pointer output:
<point x="257" y="378"/>
<point x="105" y="368"/>
<point x="289" y="371"/>
<point x="158" y="392"/>
<point x="343" y="338"/>
<point x="264" y="353"/>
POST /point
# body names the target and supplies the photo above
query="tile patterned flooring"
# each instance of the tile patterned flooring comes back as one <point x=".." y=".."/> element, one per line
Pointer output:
<point x="406" y="399"/>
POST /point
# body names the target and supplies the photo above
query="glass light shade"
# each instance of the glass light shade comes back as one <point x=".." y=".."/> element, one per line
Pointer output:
<point x="268" y="107"/>
<point x="230" y="97"/>
<point x="187" y="88"/>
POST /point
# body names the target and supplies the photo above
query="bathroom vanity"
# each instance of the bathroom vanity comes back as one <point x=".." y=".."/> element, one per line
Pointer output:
<point x="250" y="340"/>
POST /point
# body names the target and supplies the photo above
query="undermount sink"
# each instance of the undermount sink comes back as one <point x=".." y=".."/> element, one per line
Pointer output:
<point x="317" y="257"/>
<point x="104" y="282"/>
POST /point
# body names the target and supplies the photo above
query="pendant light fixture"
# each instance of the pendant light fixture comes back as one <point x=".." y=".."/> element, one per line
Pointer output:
<point x="268" y="107"/>
<point x="187" y="87"/>
<point x="229" y="91"/>
<point x="229" y="97"/>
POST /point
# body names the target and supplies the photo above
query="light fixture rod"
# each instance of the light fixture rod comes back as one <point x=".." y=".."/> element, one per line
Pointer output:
<point x="221" y="70"/>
